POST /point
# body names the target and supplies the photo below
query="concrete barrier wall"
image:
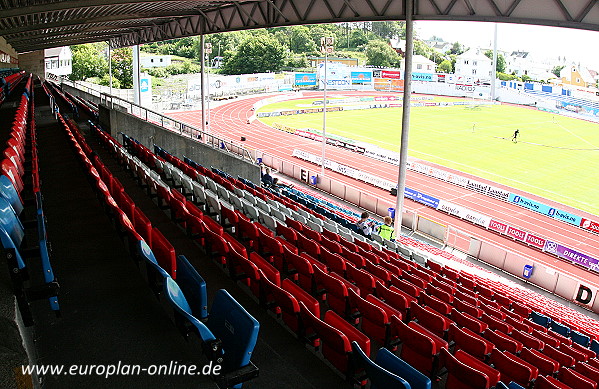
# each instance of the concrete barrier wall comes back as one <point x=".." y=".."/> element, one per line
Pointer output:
<point x="431" y="228"/>
<point x="149" y="134"/>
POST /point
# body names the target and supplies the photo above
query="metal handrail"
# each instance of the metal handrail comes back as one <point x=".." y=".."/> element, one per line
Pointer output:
<point x="181" y="128"/>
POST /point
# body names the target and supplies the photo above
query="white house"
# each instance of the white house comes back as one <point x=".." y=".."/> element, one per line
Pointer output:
<point x="473" y="63"/>
<point x="523" y="63"/>
<point x="58" y="61"/>
<point x="155" y="61"/>
<point x="420" y="64"/>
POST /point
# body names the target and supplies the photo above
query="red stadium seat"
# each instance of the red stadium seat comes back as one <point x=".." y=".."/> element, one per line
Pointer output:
<point x="503" y="342"/>
<point x="546" y="365"/>
<point x="436" y="304"/>
<point x="480" y="366"/>
<point x="462" y="376"/>
<point x="513" y="368"/>
<point x="465" y="320"/>
<point x="550" y="383"/>
<point x="362" y="279"/>
<point x="164" y="252"/>
<point x="576" y="379"/>
<point x="472" y="343"/>
<point x="281" y="301"/>
<point x="302" y="296"/>
<point x="435" y="322"/>
<point x="399" y="301"/>
<point x="373" y="319"/>
<point x="419" y="350"/>
<point x="334" y="290"/>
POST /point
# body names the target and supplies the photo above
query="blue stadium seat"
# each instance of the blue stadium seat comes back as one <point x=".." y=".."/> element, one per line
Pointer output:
<point x="11" y="223"/>
<point x="540" y="319"/>
<point x="175" y="297"/>
<point x="387" y="360"/>
<point x="560" y="328"/>
<point x="379" y="377"/>
<point x="580" y="338"/>
<point x="514" y="385"/>
<point x="594" y="346"/>
<point x="193" y="286"/>
<point x="236" y="328"/>
<point x="8" y="191"/>
<point x="155" y="273"/>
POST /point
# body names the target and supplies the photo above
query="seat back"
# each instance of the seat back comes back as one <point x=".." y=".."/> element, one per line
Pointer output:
<point x="177" y="300"/>
<point x="193" y="286"/>
<point x="418" y="349"/>
<point x="380" y="378"/>
<point x="8" y="191"/>
<point x="575" y="379"/>
<point x="235" y="327"/>
<point x="462" y="376"/>
<point x="11" y="223"/>
<point x="164" y="252"/>
<point x="392" y="363"/>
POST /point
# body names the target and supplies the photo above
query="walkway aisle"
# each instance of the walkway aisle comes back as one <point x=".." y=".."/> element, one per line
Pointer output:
<point x="283" y="361"/>
<point x="109" y="314"/>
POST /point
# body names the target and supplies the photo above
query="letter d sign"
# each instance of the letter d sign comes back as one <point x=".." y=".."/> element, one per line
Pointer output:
<point x="584" y="295"/>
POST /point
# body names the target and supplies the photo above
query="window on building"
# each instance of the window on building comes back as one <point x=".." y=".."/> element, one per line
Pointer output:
<point x="473" y="71"/>
<point x="578" y="80"/>
<point x="465" y="62"/>
<point x="419" y="66"/>
<point x="474" y="63"/>
<point x="151" y="59"/>
<point x="160" y="59"/>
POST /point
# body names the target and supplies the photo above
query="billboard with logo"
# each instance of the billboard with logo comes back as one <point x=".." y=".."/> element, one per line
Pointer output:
<point x="361" y="77"/>
<point x="338" y="76"/>
<point x="305" y="79"/>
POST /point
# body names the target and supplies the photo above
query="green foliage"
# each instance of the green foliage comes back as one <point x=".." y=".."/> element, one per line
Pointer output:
<point x="298" y="61"/>
<point x="157" y="72"/>
<point x="445" y="66"/>
<point x="526" y="78"/>
<point x="122" y="66"/>
<point x="300" y="40"/>
<point x="457" y="48"/>
<point x="258" y="53"/>
<point x="557" y="70"/>
<point x="500" y="66"/>
<point x="506" y="77"/>
<point x="379" y="53"/>
<point x="388" y="30"/>
<point x="358" y="38"/>
<point x="421" y="48"/>
<point x="88" y="61"/>
<point x="105" y="80"/>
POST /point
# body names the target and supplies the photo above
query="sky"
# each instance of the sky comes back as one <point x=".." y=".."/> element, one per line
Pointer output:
<point x="542" y="41"/>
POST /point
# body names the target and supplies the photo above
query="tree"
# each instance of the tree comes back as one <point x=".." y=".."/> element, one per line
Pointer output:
<point x="379" y="53"/>
<point x="258" y="53"/>
<point x="122" y="66"/>
<point x="457" y="49"/>
<point x="445" y="67"/>
<point x="500" y="66"/>
<point x="358" y="38"/>
<point x="557" y="70"/>
<point x="88" y="61"/>
<point x="388" y="30"/>
<point x="300" y="40"/>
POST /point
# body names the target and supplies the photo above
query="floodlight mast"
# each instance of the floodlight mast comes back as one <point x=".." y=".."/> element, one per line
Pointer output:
<point x="405" y="122"/>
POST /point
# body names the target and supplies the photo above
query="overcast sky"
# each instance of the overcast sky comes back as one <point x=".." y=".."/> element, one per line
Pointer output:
<point x="545" y="42"/>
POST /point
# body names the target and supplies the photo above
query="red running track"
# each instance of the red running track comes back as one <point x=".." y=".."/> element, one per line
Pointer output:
<point x="230" y="121"/>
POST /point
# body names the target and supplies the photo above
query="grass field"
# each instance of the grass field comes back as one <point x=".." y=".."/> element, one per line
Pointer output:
<point x="556" y="157"/>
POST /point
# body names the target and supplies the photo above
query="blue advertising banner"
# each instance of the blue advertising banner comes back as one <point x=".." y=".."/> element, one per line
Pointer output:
<point x="305" y="79"/>
<point x="531" y="204"/>
<point x="361" y="77"/>
<point x="567" y="217"/>
<point x="421" y="198"/>
<point x="422" y="77"/>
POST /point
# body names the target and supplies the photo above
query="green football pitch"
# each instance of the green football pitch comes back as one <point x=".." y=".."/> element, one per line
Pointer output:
<point x="555" y="157"/>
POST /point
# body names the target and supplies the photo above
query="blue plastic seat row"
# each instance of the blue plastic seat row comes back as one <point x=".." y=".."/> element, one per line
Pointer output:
<point x="389" y="371"/>
<point x="228" y="334"/>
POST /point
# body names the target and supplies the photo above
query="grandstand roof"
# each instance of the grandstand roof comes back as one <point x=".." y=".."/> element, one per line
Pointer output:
<point x="38" y="24"/>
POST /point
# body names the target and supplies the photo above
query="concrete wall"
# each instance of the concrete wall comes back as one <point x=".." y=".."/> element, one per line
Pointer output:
<point x="33" y="62"/>
<point x="149" y="134"/>
<point x="9" y="59"/>
<point x="79" y="93"/>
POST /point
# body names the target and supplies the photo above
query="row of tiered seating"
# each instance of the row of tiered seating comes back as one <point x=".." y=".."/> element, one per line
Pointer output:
<point x="469" y="316"/>
<point x="9" y="83"/>
<point x="187" y="294"/>
<point x="22" y="225"/>
<point x="421" y="252"/>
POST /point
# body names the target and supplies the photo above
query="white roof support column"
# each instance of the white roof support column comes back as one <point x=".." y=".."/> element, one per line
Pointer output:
<point x="405" y="121"/>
